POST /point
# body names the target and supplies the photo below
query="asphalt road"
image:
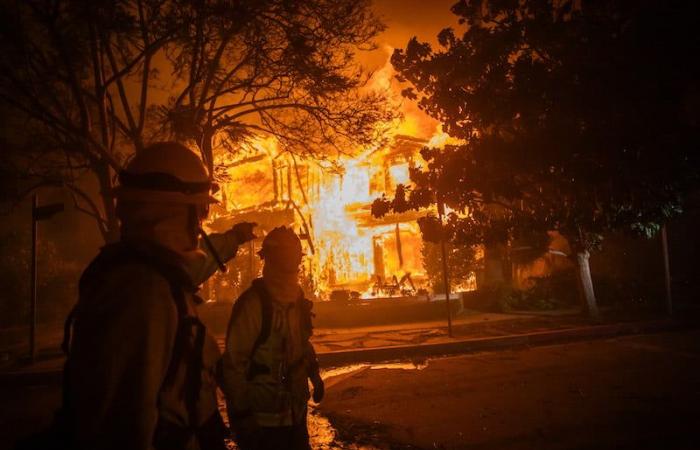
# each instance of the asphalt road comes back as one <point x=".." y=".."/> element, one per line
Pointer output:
<point x="625" y="393"/>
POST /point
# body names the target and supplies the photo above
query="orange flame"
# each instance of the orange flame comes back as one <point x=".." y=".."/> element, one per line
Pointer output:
<point x="352" y="250"/>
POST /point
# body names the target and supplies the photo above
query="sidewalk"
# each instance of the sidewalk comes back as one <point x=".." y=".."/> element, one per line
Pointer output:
<point x="445" y="346"/>
<point x="472" y="331"/>
<point x="469" y="325"/>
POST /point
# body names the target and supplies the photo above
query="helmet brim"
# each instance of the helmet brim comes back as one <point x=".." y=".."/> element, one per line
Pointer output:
<point x="129" y="194"/>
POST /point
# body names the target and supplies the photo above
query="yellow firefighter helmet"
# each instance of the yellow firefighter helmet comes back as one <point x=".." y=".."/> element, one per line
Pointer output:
<point x="165" y="172"/>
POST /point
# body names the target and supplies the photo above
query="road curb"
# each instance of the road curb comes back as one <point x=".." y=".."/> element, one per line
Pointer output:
<point x="421" y="351"/>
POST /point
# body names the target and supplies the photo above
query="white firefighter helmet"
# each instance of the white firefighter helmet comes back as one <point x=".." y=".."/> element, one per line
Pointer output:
<point x="165" y="172"/>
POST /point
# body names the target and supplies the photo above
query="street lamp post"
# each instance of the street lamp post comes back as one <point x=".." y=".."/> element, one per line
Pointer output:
<point x="33" y="282"/>
<point x="38" y="213"/>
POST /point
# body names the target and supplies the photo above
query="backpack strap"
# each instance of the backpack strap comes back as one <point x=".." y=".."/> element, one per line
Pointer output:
<point x="184" y="327"/>
<point x="265" y="299"/>
<point x="261" y="293"/>
<point x="306" y="315"/>
<point x="266" y="310"/>
<point x="306" y="307"/>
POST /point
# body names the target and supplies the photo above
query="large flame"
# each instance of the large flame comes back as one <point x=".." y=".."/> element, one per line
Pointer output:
<point x="346" y="248"/>
<point x="345" y="252"/>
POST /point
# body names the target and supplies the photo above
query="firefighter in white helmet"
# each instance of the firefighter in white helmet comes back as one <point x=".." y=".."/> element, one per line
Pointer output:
<point x="140" y="372"/>
<point x="269" y="359"/>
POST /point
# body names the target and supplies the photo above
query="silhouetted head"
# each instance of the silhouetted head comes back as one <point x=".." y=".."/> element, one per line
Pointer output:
<point x="281" y="250"/>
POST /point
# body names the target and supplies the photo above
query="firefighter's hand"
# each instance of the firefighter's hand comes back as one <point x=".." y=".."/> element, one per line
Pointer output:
<point x="243" y="232"/>
<point x="319" y="388"/>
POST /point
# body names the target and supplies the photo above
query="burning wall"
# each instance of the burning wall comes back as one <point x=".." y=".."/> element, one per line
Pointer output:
<point x="345" y="247"/>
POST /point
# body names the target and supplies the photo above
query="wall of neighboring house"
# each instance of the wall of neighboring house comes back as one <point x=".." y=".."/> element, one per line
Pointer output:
<point x="626" y="269"/>
<point x="554" y="261"/>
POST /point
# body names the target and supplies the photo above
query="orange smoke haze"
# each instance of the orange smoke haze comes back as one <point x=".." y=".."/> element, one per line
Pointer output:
<point x="404" y="20"/>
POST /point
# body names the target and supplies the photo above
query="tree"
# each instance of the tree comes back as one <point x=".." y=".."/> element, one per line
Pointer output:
<point x="461" y="262"/>
<point x="84" y="81"/>
<point x="574" y="116"/>
<point x="279" y="68"/>
<point x="74" y="79"/>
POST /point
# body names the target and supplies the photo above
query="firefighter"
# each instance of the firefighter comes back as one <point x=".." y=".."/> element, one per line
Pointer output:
<point x="140" y="373"/>
<point x="268" y="358"/>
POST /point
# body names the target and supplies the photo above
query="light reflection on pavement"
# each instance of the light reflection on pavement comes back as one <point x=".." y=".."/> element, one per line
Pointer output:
<point x="322" y="434"/>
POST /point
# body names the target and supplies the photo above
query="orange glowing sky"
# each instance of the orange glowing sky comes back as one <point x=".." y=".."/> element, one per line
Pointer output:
<point x="405" y="19"/>
<point x="408" y="18"/>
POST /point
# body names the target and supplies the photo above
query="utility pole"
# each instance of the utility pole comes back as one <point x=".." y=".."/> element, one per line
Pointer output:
<point x="33" y="282"/>
<point x="445" y="274"/>
<point x="667" y="270"/>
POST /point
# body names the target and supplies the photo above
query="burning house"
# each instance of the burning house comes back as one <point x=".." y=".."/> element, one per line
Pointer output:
<point x="348" y="252"/>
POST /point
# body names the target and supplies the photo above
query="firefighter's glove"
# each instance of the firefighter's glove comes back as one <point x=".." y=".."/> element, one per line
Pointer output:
<point x="243" y="232"/>
<point x="319" y="388"/>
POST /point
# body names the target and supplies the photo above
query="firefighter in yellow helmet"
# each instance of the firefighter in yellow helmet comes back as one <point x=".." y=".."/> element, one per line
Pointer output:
<point x="268" y="358"/>
<point x="140" y="372"/>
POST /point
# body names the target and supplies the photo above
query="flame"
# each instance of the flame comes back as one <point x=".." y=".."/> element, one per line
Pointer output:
<point x="414" y="121"/>
<point x="351" y="250"/>
<point x="344" y="252"/>
<point x="440" y="139"/>
<point x="400" y="173"/>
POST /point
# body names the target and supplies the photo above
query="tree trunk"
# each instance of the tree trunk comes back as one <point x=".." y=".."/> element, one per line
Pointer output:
<point x="586" y="282"/>
<point x="207" y="151"/>
<point x="111" y="228"/>
<point x="667" y="270"/>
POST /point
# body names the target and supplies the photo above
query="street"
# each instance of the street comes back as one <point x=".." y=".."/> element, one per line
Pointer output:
<point x="629" y="392"/>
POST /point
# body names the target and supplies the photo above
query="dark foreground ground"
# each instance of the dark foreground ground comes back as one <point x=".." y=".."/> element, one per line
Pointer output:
<point x="625" y="393"/>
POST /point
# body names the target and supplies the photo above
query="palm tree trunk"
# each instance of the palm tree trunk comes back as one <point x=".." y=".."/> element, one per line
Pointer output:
<point x="111" y="228"/>
<point x="583" y="272"/>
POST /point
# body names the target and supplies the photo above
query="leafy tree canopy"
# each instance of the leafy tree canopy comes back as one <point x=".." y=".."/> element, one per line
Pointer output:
<point x="578" y="116"/>
<point x="573" y="115"/>
<point x="90" y="82"/>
